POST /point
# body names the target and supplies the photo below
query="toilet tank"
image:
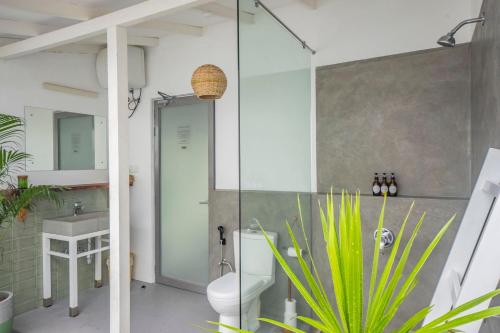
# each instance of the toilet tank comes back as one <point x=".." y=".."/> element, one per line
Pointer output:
<point x="256" y="254"/>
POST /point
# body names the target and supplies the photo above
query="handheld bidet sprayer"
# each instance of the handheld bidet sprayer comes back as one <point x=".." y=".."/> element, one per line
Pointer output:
<point x="222" y="240"/>
<point x="223" y="261"/>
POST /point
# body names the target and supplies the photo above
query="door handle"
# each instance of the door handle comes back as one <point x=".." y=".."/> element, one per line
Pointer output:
<point x="203" y="202"/>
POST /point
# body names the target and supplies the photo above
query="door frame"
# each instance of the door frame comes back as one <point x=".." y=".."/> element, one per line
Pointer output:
<point x="159" y="103"/>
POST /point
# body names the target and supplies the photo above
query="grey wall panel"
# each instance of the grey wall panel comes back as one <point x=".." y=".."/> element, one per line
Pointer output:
<point x="273" y="208"/>
<point x="223" y="210"/>
<point x="438" y="213"/>
<point x="485" y="91"/>
<point x="408" y="114"/>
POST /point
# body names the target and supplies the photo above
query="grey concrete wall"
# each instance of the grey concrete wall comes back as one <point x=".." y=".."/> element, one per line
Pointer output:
<point x="224" y="211"/>
<point x="485" y="102"/>
<point x="485" y="91"/>
<point x="407" y="114"/>
<point x="438" y="213"/>
<point x="273" y="208"/>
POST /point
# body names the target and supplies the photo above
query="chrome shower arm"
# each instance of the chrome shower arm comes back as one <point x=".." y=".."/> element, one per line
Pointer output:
<point x="448" y="40"/>
<point x="481" y="19"/>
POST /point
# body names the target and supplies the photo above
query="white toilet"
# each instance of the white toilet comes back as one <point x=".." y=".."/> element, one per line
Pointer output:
<point x="257" y="275"/>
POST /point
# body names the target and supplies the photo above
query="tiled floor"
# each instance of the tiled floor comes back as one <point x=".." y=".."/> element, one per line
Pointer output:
<point x="155" y="309"/>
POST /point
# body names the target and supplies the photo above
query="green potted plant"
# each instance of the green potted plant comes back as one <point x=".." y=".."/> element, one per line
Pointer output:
<point x="352" y="311"/>
<point x="15" y="202"/>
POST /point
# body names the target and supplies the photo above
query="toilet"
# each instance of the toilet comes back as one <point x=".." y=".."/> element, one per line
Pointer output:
<point x="257" y="275"/>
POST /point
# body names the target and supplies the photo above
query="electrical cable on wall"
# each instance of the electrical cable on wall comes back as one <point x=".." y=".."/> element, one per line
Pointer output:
<point x="133" y="102"/>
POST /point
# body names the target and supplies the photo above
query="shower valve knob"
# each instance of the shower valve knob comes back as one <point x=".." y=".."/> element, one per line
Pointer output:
<point x="386" y="239"/>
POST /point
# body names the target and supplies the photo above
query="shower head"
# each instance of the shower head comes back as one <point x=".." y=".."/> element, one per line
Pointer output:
<point x="448" y="40"/>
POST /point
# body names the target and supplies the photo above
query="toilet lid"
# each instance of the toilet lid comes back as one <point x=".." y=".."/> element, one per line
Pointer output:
<point x="226" y="287"/>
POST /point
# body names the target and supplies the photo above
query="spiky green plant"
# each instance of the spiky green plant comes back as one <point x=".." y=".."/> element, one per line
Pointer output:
<point x="14" y="201"/>
<point x="354" y="312"/>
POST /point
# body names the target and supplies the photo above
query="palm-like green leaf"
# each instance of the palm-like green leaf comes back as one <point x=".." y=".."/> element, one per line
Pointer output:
<point x="11" y="131"/>
<point x="12" y="161"/>
<point x="26" y="199"/>
<point x="344" y="248"/>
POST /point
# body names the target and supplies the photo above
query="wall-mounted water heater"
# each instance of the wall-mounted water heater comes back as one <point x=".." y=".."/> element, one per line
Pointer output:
<point x="136" y="68"/>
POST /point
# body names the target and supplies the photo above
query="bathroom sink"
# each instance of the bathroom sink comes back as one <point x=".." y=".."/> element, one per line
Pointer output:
<point x="77" y="225"/>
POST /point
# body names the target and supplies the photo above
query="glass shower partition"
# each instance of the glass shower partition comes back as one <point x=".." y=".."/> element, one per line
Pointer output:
<point x="275" y="165"/>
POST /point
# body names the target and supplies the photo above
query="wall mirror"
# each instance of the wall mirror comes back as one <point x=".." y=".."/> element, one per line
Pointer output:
<point x="61" y="140"/>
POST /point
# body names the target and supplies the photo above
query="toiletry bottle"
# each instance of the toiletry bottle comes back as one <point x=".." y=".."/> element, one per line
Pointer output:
<point x="393" y="186"/>
<point x="376" y="185"/>
<point x="384" y="186"/>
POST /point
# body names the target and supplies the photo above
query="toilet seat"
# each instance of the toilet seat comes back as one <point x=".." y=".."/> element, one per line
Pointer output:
<point x="226" y="288"/>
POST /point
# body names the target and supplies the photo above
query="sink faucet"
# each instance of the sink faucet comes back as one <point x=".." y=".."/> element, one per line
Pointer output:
<point x="77" y="208"/>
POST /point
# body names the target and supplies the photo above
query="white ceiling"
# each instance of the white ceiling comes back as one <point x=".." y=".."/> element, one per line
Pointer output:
<point x="20" y="19"/>
<point x="195" y="17"/>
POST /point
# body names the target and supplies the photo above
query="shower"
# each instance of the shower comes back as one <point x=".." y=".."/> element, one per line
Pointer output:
<point x="448" y="40"/>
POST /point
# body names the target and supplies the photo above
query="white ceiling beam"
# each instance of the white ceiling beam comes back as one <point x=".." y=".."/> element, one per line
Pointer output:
<point x="161" y="27"/>
<point x="27" y="29"/>
<point x="67" y="48"/>
<point x="20" y="28"/>
<point x="8" y="40"/>
<point x="77" y="48"/>
<point x="170" y="27"/>
<point x="58" y="8"/>
<point x="132" y="40"/>
<point x="311" y="3"/>
<point x="126" y="17"/>
<point x="91" y="44"/>
<point x="227" y="12"/>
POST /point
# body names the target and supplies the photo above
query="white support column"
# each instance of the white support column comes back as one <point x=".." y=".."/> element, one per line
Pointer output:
<point x="73" y="278"/>
<point x="98" y="263"/>
<point x="47" y="281"/>
<point x="118" y="180"/>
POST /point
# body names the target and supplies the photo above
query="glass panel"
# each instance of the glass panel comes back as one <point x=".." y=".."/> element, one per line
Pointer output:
<point x="275" y="167"/>
<point x="184" y="193"/>
<point x="61" y="140"/>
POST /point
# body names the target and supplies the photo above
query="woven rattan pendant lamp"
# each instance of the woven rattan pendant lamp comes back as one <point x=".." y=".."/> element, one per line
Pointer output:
<point x="209" y="82"/>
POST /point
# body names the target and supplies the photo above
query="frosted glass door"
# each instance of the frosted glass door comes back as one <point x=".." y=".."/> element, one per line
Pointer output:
<point x="184" y="177"/>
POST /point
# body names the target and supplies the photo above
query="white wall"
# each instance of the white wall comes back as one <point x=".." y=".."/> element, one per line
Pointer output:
<point x="21" y="85"/>
<point x="169" y="69"/>
<point x="476" y="7"/>
<point x="341" y="30"/>
<point x="348" y="30"/>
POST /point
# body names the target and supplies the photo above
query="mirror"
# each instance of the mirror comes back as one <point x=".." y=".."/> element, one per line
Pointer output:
<point x="60" y="140"/>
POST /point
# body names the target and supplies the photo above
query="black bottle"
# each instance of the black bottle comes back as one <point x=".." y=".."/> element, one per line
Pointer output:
<point x="384" y="186"/>
<point x="393" y="186"/>
<point x="376" y="186"/>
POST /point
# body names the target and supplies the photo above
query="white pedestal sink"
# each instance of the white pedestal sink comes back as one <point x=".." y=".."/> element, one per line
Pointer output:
<point x="72" y="229"/>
